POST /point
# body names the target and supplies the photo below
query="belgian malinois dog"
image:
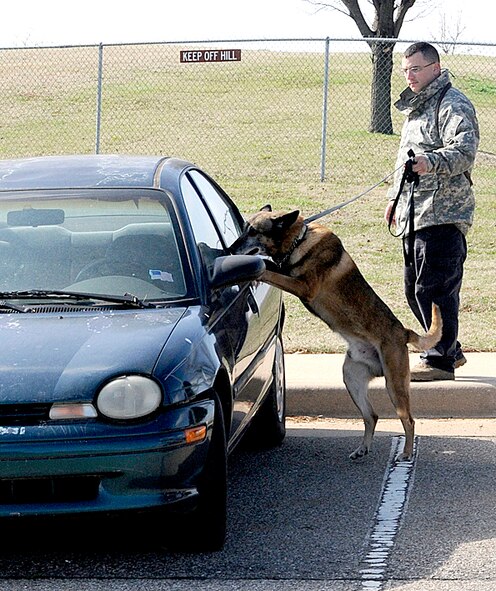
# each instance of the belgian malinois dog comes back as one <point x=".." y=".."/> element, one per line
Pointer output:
<point x="310" y="262"/>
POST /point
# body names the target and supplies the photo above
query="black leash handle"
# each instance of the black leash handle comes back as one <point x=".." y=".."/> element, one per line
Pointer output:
<point x="409" y="176"/>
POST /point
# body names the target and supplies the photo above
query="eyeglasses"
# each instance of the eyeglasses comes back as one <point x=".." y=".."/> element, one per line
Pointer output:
<point x="416" y="69"/>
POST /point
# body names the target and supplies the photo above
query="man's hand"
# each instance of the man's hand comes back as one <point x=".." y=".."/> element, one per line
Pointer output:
<point x="421" y="165"/>
<point x="387" y="213"/>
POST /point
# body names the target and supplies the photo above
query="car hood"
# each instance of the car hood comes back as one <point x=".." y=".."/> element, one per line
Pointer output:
<point x="61" y="357"/>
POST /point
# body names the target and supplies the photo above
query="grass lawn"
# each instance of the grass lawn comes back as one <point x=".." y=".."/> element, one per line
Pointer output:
<point x="256" y="126"/>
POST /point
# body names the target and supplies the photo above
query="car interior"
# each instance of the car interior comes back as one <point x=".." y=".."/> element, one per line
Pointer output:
<point x="53" y="257"/>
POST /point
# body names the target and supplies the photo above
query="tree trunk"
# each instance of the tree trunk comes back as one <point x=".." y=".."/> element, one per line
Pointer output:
<point x="388" y="20"/>
<point x="382" y="60"/>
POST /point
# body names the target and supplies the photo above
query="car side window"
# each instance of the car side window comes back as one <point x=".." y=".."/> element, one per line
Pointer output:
<point x="206" y="235"/>
<point x="226" y="219"/>
<point x="203" y="226"/>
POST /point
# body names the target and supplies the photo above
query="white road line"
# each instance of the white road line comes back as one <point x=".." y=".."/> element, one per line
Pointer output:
<point x="398" y="481"/>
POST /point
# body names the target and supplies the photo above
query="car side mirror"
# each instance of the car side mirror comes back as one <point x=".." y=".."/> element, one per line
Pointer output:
<point x="236" y="268"/>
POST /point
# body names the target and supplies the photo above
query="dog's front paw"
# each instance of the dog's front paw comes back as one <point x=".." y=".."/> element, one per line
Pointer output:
<point x="360" y="452"/>
<point x="404" y="457"/>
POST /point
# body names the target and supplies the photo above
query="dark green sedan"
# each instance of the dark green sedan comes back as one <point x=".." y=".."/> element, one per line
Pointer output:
<point x="136" y="351"/>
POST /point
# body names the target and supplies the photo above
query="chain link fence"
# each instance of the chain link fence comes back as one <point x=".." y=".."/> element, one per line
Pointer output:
<point x="270" y="109"/>
<point x="279" y="121"/>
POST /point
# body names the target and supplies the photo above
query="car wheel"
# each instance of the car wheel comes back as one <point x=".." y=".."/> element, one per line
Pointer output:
<point x="204" y="528"/>
<point x="269" y="425"/>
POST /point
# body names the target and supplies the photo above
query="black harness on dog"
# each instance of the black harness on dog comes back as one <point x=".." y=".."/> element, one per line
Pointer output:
<point x="296" y="242"/>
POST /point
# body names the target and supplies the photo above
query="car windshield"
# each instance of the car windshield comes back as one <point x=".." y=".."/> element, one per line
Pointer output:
<point x="108" y="242"/>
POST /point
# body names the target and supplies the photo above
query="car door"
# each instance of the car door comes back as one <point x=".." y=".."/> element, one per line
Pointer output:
<point x="249" y="311"/>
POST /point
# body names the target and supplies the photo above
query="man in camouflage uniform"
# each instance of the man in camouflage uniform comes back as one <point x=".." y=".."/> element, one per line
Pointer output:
<point x="442" y="130"/>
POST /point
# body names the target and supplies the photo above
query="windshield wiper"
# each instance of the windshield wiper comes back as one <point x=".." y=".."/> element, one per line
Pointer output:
<point x="127" y="298"/>
<point x="23" y="309"/>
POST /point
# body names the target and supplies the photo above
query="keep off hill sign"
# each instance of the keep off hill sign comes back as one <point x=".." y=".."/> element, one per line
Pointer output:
<point x="210" y="55"/>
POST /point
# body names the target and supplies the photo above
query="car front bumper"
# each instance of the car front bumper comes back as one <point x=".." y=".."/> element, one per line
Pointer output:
<point x="66" y="467"/>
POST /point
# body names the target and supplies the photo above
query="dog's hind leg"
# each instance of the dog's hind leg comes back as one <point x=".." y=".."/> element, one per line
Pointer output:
<point x="356" y="376"/>
<point x="397" y="374"/>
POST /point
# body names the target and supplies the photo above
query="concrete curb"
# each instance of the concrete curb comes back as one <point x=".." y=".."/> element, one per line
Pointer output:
<point x="315" y="387"/>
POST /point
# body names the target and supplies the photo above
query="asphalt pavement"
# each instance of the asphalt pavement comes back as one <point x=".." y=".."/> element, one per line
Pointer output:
<point x="315" y="387"/>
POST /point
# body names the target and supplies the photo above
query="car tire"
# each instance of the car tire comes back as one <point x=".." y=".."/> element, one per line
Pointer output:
<point x="269" y="425"/>
<point x="204" y="528"/>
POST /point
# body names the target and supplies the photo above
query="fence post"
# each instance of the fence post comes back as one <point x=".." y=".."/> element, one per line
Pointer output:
<point x="324" y="112"/>
<point x="99" y="99"/>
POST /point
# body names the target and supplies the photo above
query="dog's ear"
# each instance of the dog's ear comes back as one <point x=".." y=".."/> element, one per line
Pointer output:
<point x="267" y="207"/>
<point x="286" y="220"/>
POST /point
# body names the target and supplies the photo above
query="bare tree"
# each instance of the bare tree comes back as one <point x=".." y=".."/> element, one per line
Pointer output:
<point x="387" y="21"/>
<point x="450" y="33"/>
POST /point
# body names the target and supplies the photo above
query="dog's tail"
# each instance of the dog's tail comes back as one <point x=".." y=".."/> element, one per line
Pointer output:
<point x="432" y="336"/>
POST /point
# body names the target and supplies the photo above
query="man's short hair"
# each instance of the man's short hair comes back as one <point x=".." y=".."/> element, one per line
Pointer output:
<point x="429" y="52"/>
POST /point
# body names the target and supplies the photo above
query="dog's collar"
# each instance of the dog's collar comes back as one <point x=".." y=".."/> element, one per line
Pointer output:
<point x="296" y="242"/>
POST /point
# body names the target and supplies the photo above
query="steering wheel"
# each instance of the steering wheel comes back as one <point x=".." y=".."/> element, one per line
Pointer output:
<point x="103" y="267"/>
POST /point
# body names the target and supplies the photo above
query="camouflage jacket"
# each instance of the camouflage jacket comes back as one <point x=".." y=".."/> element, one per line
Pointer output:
<point x="450" y="141"/>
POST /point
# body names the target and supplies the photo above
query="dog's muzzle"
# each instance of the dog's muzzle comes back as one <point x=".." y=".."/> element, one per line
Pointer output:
<point x="239" y="246"/>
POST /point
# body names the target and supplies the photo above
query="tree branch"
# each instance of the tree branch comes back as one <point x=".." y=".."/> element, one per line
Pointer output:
<point x="355" y="12"/>
<point x="331" y="5"/>
<point x="403" y="8"/>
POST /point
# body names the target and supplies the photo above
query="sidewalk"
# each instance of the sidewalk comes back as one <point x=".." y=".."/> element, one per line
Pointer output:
<point x="315" y="387"/>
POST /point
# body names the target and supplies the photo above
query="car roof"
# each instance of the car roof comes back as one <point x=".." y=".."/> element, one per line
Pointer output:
<point x="84" y="171"/>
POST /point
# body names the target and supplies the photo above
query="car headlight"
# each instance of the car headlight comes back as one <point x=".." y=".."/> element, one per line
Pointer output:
<point x="129" y="397"/>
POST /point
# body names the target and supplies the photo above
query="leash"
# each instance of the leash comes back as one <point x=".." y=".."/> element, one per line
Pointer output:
<point x="408" y="176"/>
<point x="412" y="178"/>
<point x="317" y="216"/>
